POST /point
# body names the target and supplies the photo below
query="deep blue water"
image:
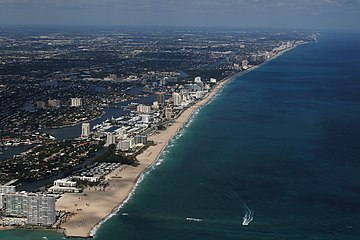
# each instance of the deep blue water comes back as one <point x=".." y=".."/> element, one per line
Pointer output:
<point x="284" y="140"/>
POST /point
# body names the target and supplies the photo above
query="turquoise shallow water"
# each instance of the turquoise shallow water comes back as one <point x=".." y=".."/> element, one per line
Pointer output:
<point x="282" y="140"/>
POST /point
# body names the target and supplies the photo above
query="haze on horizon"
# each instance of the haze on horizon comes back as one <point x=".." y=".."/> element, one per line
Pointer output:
<point x="313" y="14"/>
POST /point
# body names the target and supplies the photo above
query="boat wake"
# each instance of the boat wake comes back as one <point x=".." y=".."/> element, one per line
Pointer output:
<point x="249" y="215"/>
<point x="193" y="219"/>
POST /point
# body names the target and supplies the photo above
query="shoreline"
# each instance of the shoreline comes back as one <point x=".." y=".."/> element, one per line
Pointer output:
<point x="85" y="225"/>
<point x="91" y="208"/>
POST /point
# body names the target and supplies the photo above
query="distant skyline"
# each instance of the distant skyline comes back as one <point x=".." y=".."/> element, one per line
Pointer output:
<point x="318" y="14"/>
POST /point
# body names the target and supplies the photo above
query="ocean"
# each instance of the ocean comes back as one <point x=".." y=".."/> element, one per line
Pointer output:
<point x="275" y="155"/>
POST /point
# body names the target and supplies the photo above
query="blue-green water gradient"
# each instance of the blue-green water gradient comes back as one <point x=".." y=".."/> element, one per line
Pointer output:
<point x="282" y="140"/>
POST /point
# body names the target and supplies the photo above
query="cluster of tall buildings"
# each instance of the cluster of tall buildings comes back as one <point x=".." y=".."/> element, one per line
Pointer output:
<point x="128" y="143"/>
<point x="31" y="208"/>
<point x="110" y="139"/>
<point x="146" y="118"/>
<point x="56" y="103"/>
<point x="141" y="108"/>
<point x="125" y="139"/>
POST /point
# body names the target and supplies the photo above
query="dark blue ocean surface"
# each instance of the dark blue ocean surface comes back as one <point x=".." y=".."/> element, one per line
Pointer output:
<point x="281" y="142"/>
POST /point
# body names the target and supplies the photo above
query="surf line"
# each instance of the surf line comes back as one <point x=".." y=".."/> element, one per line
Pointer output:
<point x="249" y="215"/>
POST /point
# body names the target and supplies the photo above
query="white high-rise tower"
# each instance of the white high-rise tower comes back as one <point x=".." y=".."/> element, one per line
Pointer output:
<point x="76" y="102"/>
<point x="177" y="99"/>
<point x="85" y="129"/>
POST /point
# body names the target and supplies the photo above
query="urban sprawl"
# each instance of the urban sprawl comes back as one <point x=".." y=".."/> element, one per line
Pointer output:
<point x="56" y="79"/>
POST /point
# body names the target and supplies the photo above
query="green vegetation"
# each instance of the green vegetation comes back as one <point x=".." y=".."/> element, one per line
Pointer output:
<point x="149" y="143"/>
<point x="111" y="156"/>
<point x="82" y="184"/>
<point x="48" y="159"/>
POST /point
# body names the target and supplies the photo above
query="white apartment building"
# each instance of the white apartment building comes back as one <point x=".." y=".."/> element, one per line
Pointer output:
<point x="76" y="102"/>
<point x="39" y="209"/>
<point x="85" y="129"/>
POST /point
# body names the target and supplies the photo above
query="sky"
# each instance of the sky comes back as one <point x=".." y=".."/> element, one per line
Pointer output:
<point x="312" y="14"/>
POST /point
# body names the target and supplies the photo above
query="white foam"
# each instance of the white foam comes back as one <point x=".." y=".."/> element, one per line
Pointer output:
<point x="140" y="179"/>
<point x="193" y="219"/>
<point x="159" y="161"/>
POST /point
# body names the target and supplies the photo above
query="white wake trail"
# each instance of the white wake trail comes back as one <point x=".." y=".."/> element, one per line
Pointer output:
<point x="249" y="215"/>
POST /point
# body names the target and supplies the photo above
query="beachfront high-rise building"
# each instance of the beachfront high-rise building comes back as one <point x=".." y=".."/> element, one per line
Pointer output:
<point x="141" y="139"/>
<point x="85" y="129"/>
<point x="155" y="105"/>
<point x="141" y="108"/>
<point x="110" y="139"/>
<point x="168" y="113"/>
<point x="38" y="209"/>
<point x="194" y="87"/>
<point x="199" y="94"/>
<point x="244" y="64"/>
<point x="207" y="87"/>
<point x="76" y="102"/>
<point x="132" y="142"/>
<point x="41" y="210"/>
<point x="236" y="66"/>
<point x="125" y="145"/>
<point x="7" y="189"/>
<point x="212" y="80"/>
<point x="4" y="190"/>
<point x="161" y="98"/>
<point x="1" y="200"/>
<point x="197" y="79"/>
<point x="199" y="86"/>
<point x="120" y="133"/>
<point x="177" y="99"/>
<point x="15" y="204"/>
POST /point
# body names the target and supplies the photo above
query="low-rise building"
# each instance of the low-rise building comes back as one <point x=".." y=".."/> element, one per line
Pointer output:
<point x="168" y="113"/>
<point x="63" y="185"/>
<point x="54" y="103"/>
